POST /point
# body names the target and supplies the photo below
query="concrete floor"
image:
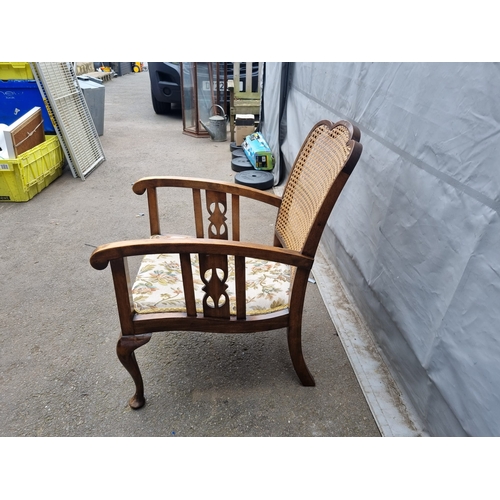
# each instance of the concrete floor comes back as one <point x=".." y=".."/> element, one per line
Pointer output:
<point x="58" y="369"/>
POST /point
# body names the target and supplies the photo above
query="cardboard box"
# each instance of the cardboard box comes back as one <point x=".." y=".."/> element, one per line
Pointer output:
<point x="244" y="120"/>
<point x="244" y="125"/>
<point x="22" y="135"/>
<point x="242" y="132"/>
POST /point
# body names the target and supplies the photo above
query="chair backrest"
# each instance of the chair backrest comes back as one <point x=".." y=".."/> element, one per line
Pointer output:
<point x="318" y="175"/>
<point x="250" y="86"/>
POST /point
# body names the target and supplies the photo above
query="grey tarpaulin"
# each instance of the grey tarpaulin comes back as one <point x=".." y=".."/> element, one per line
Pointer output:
<point x="416" y="233"/>
<point x="273" y="123"/>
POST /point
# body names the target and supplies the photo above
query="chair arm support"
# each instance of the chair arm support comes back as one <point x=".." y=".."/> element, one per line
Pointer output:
<point x="102" y="255"/>
<point x="145" y="183"/>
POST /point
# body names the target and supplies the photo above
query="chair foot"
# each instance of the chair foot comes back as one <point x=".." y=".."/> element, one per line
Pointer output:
<point x="125" y="351"/>
<point x="298" y="361"/>
<point x="137" y="401"/>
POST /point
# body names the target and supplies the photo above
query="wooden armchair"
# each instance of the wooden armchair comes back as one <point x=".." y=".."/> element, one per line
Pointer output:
<point x="211" y="283"/>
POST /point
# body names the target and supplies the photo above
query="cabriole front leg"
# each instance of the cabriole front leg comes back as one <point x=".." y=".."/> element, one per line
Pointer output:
<point x="125" y="350"/>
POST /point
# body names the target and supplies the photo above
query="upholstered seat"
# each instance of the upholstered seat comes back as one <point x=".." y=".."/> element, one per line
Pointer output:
<point x="158" y="285"/>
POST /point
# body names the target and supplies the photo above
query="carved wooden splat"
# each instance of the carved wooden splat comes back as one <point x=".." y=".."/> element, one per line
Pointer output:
<point x="214" y="274"/>
<point x="217" y="208"/>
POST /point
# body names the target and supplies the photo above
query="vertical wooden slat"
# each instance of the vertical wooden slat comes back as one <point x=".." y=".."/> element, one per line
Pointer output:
<point x="187" y="281"/>
<point x="216" y="203"/>
<point x="248" y="87"/>
<point x="236" y="77"/>
<point x="235" y="212"/>
<point x="214" y="287"/>
<point x="240" y="287"/>
<point x="198" y="213"/>
<point x="154" y="217"/>
<point x="123" y="293"/>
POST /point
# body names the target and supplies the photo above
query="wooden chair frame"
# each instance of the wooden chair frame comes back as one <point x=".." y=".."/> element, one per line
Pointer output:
<point x="213" y="245"/>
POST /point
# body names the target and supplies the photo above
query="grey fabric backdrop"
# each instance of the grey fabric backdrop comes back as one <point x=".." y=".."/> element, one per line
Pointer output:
<point x="416" y="232"/>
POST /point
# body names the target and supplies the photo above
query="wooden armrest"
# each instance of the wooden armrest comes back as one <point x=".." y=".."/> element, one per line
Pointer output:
<point x="145" y="183"/>
<point x="102" y="255"/>
<point x="215" y="191"/>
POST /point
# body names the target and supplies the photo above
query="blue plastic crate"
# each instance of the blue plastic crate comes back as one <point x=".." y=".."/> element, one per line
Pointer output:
<point x="17" y="97"/>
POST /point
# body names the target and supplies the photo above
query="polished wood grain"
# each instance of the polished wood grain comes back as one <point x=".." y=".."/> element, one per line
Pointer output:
<point x="329" y="152"/>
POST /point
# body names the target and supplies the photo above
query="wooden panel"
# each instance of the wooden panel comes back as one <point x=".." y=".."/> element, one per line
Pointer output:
<point x="25" y="133"/>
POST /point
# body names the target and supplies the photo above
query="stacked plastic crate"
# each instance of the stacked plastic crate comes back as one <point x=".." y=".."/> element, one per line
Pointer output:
<point x="24" y="176"/>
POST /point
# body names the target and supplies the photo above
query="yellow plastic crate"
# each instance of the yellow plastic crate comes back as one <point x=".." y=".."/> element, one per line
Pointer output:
<point x="32" y="171"/>
<point x="16" y="71"/>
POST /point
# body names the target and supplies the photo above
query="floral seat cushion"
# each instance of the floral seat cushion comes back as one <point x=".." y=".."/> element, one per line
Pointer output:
<point x="158" y="285"/>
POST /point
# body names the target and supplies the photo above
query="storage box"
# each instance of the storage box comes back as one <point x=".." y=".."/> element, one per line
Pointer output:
<point x="244" y="120"/>
<point x="244" y="125"/>
<point x="16" y="71"/>
<point x="24" y="134"/>
<point x="258" y="152"/>
<point x="93" y="92"/>
<point x="17" y="97"/>
<point x="242" y="132"/>
<point x="31" y="172"/>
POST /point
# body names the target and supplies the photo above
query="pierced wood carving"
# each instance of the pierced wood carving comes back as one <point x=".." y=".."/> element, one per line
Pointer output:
<point x="214" y="274"/>
<point x="217" y="208"/>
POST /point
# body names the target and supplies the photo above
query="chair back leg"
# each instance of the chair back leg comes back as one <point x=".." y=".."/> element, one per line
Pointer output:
<point x="295" y="349"/>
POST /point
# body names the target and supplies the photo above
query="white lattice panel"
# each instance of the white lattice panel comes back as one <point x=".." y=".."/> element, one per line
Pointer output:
<point x="73" y="122"/>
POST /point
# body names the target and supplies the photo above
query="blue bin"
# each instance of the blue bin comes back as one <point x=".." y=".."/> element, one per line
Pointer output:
<point x="17" y="97"/>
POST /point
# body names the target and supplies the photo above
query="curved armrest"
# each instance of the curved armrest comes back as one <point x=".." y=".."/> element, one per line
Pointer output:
<point x="105" y="253"/>
<point x="145" y="183"/>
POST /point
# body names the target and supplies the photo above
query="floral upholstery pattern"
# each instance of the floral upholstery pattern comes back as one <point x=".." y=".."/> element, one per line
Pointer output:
<point x="158" y="285"/>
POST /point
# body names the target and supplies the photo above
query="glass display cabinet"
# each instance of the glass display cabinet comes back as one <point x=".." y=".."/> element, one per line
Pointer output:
<point x="203" y="86"/>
